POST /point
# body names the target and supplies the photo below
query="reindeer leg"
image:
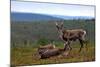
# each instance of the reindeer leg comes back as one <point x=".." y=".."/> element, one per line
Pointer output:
<point x="67" y="45"/>
<point x="85" y="44"/>
<point x="81" y="43"/>
<point x="70" y="48"/>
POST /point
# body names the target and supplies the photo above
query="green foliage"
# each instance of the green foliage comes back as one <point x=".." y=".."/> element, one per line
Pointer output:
<point x="43" y="41"/>
<point x="31" y="32"/>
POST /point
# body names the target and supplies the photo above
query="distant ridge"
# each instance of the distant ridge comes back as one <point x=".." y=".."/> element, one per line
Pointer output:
<point x="32" y="17"/>
<point x="73" y="17"/>
<point x="15" y="16"/>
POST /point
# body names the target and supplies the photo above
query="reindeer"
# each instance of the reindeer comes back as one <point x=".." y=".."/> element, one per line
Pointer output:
<point x="51" y="52"/>
<point x="71" y="35"/>
<point x="48" y="52"/>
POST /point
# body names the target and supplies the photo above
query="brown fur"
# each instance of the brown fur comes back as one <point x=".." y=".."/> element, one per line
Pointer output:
<point x="46" y="53"/>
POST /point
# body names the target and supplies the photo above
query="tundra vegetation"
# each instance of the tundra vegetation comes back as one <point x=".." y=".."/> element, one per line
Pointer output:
<point x="27" y="37"/>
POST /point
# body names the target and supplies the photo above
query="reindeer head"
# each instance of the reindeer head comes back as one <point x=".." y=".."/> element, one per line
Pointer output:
<point x="59" y="28"/>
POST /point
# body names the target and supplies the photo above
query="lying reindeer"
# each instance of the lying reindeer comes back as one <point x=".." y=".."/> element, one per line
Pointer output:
<point x="71" y="35"/>
<point x="47" y="51"/>
<point x="51" y="52"/>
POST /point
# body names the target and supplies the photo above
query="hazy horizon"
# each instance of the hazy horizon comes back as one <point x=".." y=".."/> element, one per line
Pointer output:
<point x="52" y="9"/>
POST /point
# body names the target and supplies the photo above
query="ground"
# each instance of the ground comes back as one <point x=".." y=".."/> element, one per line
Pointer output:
<point x="26" y="56"/>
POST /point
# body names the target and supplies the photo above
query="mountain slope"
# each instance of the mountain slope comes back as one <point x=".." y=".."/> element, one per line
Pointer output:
<point x="73" y="17"/>
<point x="42" y="17"/>
<point x="31" y="17"/>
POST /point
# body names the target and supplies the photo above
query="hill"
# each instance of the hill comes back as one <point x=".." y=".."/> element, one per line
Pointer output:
<point x="31" y="17"/>
<point x="15" y="16"/>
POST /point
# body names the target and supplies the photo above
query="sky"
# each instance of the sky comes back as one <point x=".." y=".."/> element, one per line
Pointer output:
<point x="52" y="9"/>
<point x="86" y="2"/>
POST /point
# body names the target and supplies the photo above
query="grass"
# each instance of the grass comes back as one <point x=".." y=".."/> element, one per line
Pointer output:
<point x="25" y="56"/>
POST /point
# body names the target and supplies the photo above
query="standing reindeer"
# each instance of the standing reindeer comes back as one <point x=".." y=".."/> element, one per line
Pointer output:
<point x="71" y="35"/>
